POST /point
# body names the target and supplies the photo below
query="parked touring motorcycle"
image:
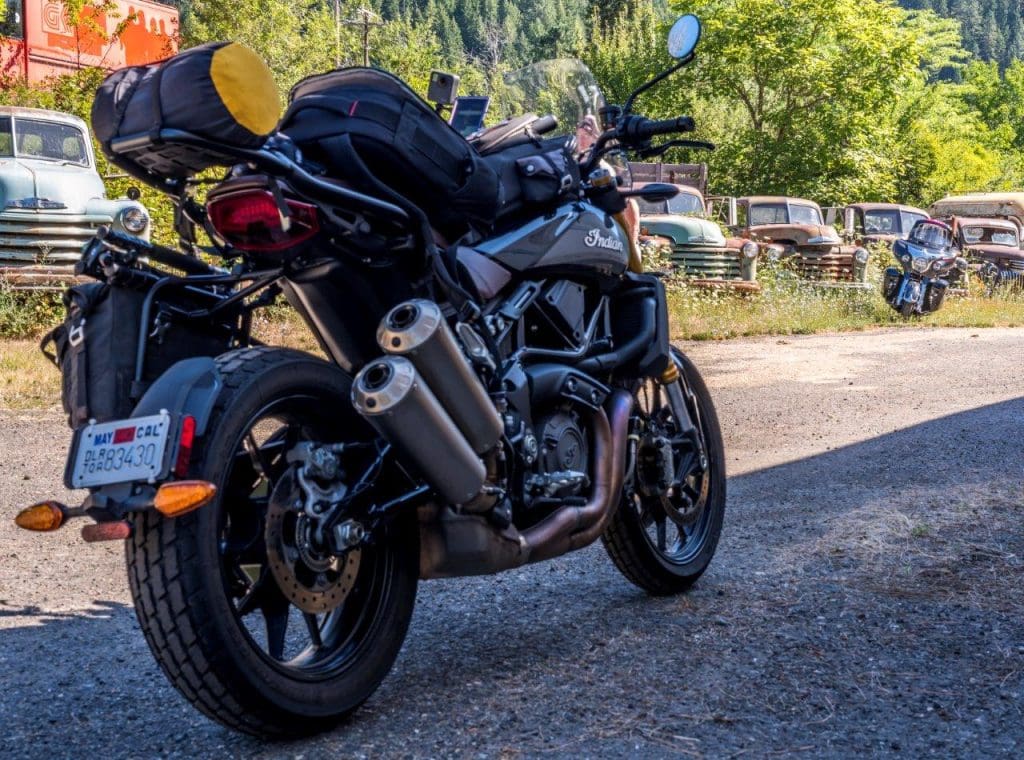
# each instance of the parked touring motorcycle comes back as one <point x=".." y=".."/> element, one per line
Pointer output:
<point x="499" y="386"/>
<point x="930" y="263"/>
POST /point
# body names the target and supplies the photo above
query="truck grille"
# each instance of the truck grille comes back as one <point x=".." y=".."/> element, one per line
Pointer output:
<point x="713" y="264"/>
<point x="824" y="265"/>
<point x="1016" y="266"/>
<point x="45" y="239"/>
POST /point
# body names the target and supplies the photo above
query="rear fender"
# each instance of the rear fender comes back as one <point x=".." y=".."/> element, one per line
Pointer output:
<point x="189" y="387"/>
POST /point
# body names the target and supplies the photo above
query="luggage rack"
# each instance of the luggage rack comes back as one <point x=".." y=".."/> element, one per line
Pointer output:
<point x="167" y="159"/>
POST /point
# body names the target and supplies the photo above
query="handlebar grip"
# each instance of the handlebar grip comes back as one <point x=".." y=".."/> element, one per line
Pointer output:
<point x="544" y="124"/>
<point x="647" y="129"/>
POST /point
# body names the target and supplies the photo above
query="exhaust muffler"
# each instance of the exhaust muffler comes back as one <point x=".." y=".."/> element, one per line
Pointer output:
<point x="417" y="330"/>
<point x="392" y="396"/>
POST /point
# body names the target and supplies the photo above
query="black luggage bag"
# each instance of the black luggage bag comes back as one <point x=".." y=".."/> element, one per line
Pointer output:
<point x="222" y="92"/>
<point x="366" y="126"/>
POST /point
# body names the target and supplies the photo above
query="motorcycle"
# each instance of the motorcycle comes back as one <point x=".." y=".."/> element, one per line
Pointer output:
<point x="484" y="404"/>
<point x="930" y="263"/>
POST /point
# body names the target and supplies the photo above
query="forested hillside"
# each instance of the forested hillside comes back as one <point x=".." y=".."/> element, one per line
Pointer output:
<point x="991" y="28"/>
<point x="525" y="29"/>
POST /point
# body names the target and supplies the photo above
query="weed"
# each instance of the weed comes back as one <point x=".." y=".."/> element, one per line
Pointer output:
<point x="28" y="313"/>
<point x="787" y="305"/>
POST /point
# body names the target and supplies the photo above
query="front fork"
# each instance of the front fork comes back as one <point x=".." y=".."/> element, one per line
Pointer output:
<point x="681" y="400"/>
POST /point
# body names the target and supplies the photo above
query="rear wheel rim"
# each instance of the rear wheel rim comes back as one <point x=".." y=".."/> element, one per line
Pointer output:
<point x="299" y="645"/>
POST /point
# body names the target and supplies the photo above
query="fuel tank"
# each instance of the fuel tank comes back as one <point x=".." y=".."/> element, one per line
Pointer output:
<point x="577" y="238"/>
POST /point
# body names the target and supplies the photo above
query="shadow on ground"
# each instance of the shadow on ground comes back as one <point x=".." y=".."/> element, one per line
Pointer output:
<point x="865" y="599"/>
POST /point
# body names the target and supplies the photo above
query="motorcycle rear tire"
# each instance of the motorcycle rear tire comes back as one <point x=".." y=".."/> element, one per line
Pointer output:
<point x="627" y="540"/>
<point x="179" y="579"/>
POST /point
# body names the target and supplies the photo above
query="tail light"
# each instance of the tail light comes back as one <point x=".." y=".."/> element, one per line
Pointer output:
<point x="253" y="221"/>
<point x="185" y="441"/>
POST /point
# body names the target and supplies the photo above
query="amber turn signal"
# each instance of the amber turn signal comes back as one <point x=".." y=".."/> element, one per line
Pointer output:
<point x="43" y="517"/>
<point x="183" y="496"/>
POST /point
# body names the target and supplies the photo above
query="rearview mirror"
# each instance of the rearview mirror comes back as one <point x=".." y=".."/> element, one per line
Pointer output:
<point x="654" y="192"/>
<point x="684" y="36"/>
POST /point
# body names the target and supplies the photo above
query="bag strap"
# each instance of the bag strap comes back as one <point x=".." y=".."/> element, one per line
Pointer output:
<point x="51" y="337"/>
<point x="385" y="119"/>
<point x="80" y="301"/>
<point x="158" y="114"/>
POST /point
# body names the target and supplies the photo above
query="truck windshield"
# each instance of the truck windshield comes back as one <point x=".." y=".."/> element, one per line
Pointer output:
<point x="6" y="142"/>
<point x="783" y="213"/>
<point x="884" y="222"/>
<point x="990" y="236"/>
<point x="684" y="203"/>
<point x="47" y="140"/>
<point x="909" y="220"/>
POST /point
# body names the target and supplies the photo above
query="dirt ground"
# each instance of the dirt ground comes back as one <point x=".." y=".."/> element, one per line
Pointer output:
<point x="867" y="595"/>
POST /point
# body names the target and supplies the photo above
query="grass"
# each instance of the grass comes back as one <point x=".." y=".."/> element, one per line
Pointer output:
<point x="27" y="379"/>
<point x="785" y="306"/>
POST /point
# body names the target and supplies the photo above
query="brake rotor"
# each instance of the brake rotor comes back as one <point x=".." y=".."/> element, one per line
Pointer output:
<point x="656" y="470"/>
<point x="311" y="578"/>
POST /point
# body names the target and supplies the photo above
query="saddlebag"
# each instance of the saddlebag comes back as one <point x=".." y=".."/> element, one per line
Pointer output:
<point x="533" y="175"/>
<point x="935" y="294"/>
<point x="891" y="282"/>
<point x="95" y="350"/>
<point x="369" y="128"/>
<point x="221" y="91"/>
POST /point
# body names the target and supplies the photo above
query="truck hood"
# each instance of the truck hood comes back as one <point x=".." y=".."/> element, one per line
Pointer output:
<point x="995" y="252"/>
<point x="684" y="230"/>
<point x="799" y="234"/>
<point x="74" y="186"/>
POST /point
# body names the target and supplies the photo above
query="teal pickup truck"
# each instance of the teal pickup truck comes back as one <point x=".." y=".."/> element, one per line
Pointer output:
<point x="52" y="200"/>
<point x="701" y="252"/>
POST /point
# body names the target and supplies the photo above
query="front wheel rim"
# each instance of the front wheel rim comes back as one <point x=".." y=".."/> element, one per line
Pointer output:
<point x="675" y="543"/>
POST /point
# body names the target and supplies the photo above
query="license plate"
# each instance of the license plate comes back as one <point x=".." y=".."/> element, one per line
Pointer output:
<point x="120" y="452"/>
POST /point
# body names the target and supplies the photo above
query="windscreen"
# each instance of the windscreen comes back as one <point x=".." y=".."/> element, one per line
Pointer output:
<point x="50" y="141"/>
<point x="800" y="214"/>
<point x="684" y="203"/>
<point x="6" y="140"/>
<point x="976" y="234"/>
<point x="563" y="87"/>
<point x="910" y="219"/>
<point x="882" y="222"/>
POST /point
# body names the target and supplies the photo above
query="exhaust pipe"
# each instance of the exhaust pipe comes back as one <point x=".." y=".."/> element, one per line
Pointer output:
<point x="571" y="528"/>
<point x="453" y="545"/>
<point x="392" y="396"/>
<point x="417" y="330"/>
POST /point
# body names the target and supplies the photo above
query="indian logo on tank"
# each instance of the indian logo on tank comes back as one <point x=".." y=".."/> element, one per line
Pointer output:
<point x="594" y="239"/>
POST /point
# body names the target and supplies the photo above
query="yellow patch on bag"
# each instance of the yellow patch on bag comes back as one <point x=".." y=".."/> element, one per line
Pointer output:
<point x="246" y="87"/>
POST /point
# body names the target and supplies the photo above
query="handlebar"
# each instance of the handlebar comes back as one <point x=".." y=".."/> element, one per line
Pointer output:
<point x="168" y="256"/>
<point x="544" y="124"/>
<point x="639" y="128"/>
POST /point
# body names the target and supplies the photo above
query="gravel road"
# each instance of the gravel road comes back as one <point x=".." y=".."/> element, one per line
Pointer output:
<point x="866" y="596"/>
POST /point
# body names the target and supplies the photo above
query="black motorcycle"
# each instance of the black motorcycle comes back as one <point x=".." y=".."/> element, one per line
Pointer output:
<point x="930" y="264"/>
<point x="498" y="389"/>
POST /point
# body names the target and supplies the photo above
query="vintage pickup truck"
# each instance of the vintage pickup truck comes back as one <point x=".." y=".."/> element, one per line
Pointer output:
<point x="988" y="228"/>
<point x="874" y="223"/>
<point x="793" y="228"/>
<point x="52" y="200"/>
<point x="701" y="252"/>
